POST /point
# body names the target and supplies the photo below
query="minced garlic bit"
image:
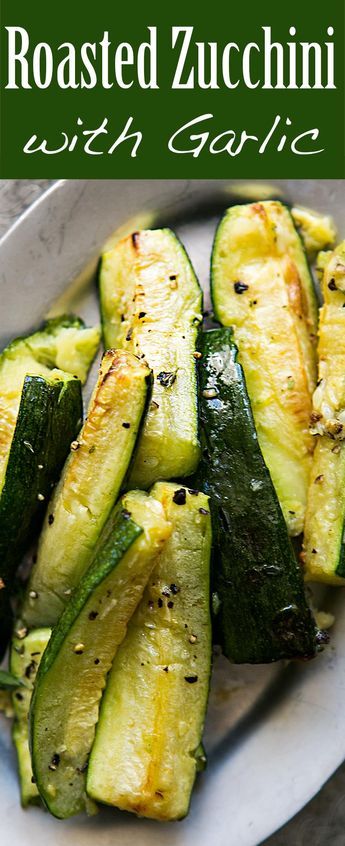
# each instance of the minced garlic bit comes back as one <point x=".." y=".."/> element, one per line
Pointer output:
<point x="21" y="633"/>
<point x="210" y="393"/>
<point x="79" y="648"/>
<point x="29" y="446"/>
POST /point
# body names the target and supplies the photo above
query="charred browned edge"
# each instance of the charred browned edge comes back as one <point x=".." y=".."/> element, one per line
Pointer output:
<point x="259" y="209"/>
<point x="136" y="240"/>
<point x="118" y="357"/>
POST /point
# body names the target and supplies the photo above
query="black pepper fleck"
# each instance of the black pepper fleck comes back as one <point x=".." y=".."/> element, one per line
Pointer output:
<point x="166" y="378"/>
<point x="170" y="604"/>
<point x="191" y="679"/>
<point x="51" y="519"/>
<point x="160" y="602"/>
<point x="174" y="589"/>
<point x="93" y="615"/>
<point x="203" y="511"/>
<point x="179" y="497"/>
<point x="240" y="287"/>
<point x="82" y="769"/>
<point x="126" y="425"/>
<point x="332" y="286"/>
<point x="30" y="669"/>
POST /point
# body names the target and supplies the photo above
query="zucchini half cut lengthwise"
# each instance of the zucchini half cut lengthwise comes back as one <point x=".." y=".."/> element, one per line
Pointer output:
<point x="147" y="748"/>
<point x="324" y="540"/>
<point x="89" y="486"/>
<point x="73" y="670"/>
<point x="151" y="304"/>
<point x="262" y="287"/>
<point x="26" y="654"/>
<point x="48" y="418"/>
<point x="263" y="612"/>
<point x="63" y="342"/>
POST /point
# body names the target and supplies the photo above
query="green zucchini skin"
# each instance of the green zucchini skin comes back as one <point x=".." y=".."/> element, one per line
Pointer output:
<point x="25" y="657"/>
<point x="49" y="417"/>
<point x="73" y="670"/>
<point x="263" y="613"/>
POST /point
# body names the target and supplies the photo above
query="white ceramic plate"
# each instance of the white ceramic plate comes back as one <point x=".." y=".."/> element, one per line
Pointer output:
<point x="274" y="734"/>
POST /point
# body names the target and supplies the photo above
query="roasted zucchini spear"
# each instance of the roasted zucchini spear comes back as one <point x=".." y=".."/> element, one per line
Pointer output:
<point x="324" y="541"/>
<point x="263" y="614"/>
<point x="48" y="418"/>
<point x="151" y="304"/>
<point x="26" y="654"/>
<point x="262" y="287"/>
<point x="73" y="670"/>
<point x="40" y="413"/>
<point x="89" y="486"/>
<point x="148" y="740"/>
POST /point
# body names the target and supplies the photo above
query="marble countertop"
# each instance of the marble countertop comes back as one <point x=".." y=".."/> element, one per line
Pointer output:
<point x="322" y="821"/>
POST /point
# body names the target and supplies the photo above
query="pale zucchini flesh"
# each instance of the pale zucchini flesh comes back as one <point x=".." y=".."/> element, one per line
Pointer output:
<point x="324" y="540"/>
<point x="262" y="287"/>
<point x="329" y="396"/>
<point x="151" y="304"/>
<point x="72" y="673"/>
<point x="26" y="654"/>
<point x="89" y="486"/>
<point x="317" y="230"/>
<point x="147" y="746"/>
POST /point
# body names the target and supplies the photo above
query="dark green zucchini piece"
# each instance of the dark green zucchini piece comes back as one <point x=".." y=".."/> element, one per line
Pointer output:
<point x="89" y="485"/>
<point x="48" y="419"/>
<point x="147" y="747"/>
<point x="262" y="288"/>
<point x="8" y="681"/>
<point x="263" y="612"/>
<point x="26" y="654"/>
<point x="73" y="670"/>
<point x="151" y="304"/>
